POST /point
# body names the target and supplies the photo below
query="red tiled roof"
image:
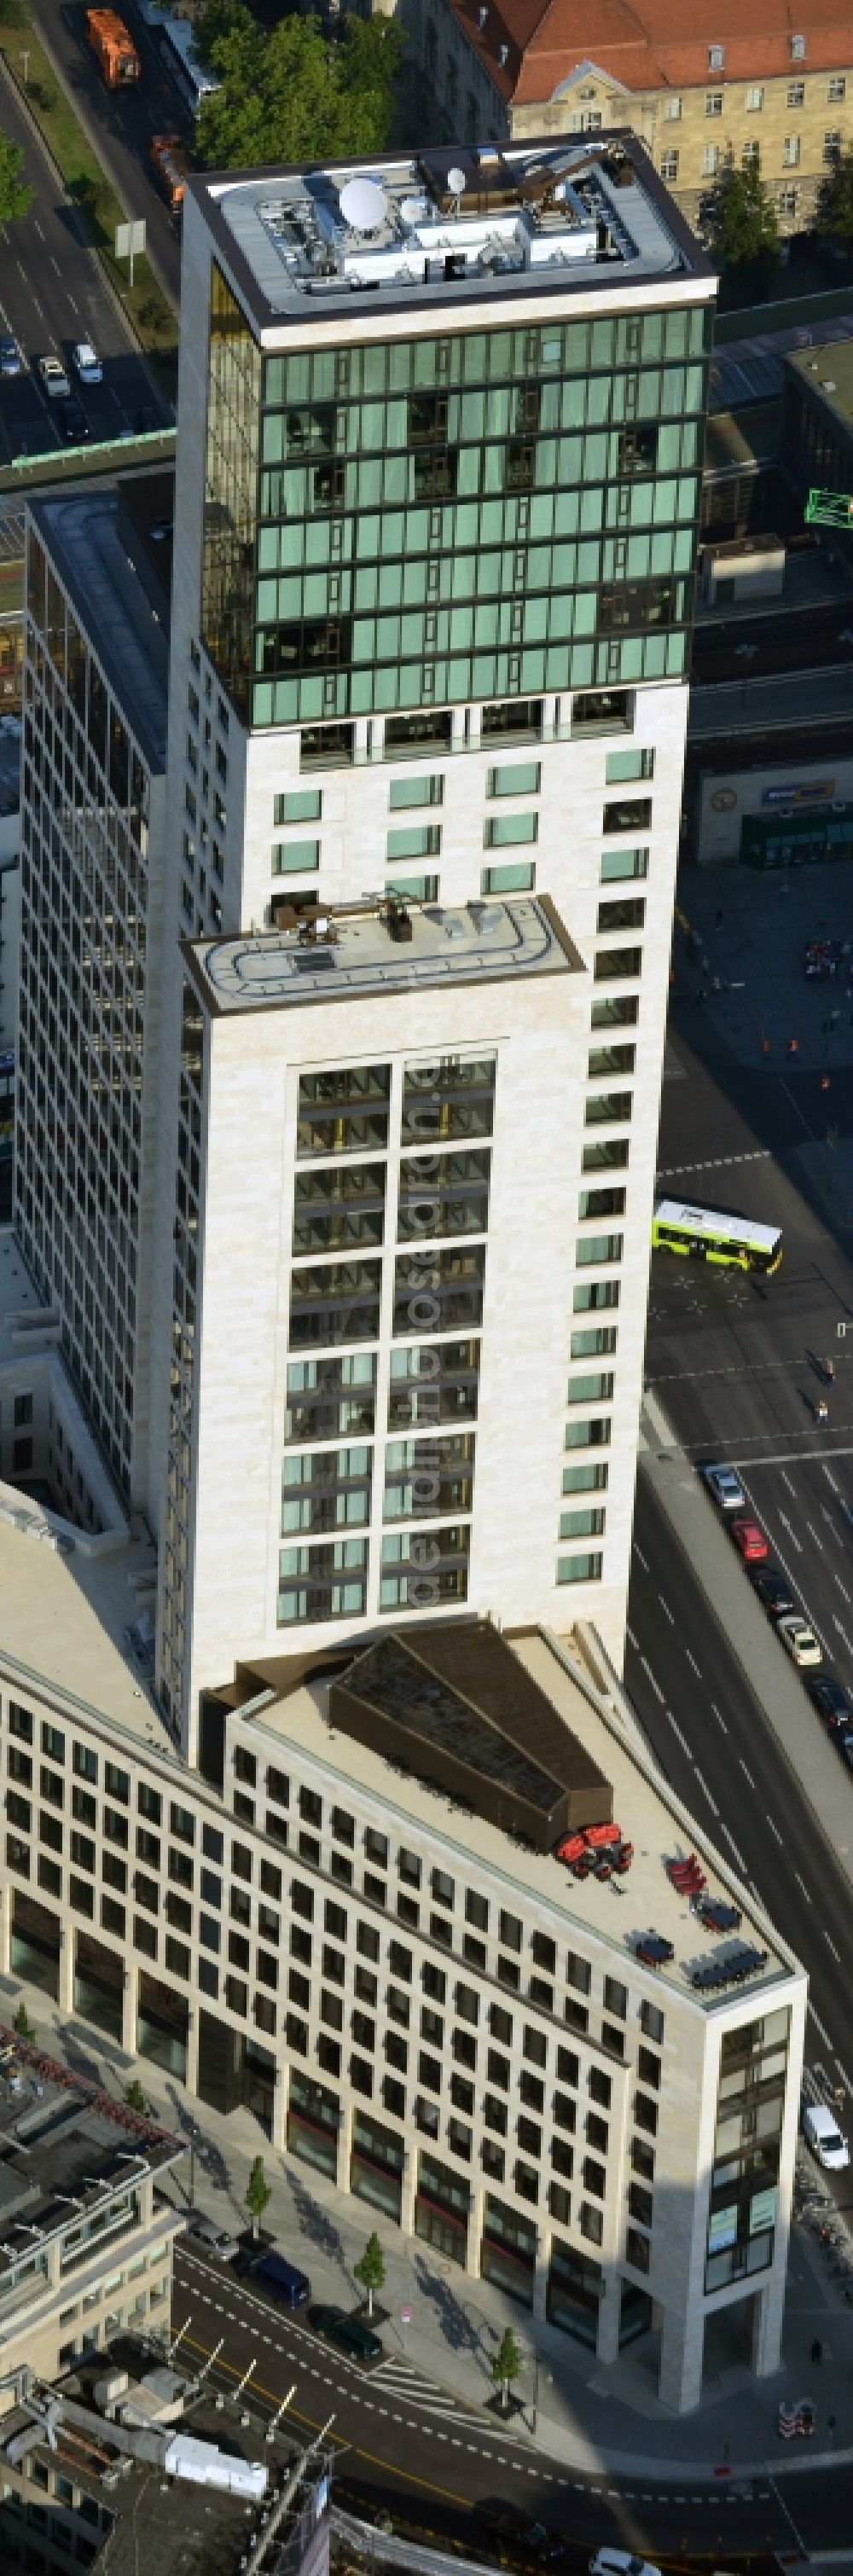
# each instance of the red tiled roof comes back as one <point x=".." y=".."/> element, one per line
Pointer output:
<point x="649" y="46"/>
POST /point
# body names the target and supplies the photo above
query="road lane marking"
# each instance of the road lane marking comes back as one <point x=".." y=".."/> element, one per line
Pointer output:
<point x="842" y="1632"/>
<point x="831" y="1946"/>
<point x="718" y="1714"/>
<point x="747" y="1773"/>
<point x="650" y="1677"/>
<point x="666" y="1610"/>
<point x="733" y="1846"/>
<point x="703" y="1785"/>
<point x="641" y="1559"/>
<point x="681" y="1738"/>
<point x="820" y="2026"/>
<point x="789" y="1526"/>
<point x="692" y="1660"/>
<point x="775" y="1830"/>
<point x="802" y="1884"/>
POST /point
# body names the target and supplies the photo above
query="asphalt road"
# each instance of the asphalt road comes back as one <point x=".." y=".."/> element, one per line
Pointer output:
<point x="711" y="1738"/>
<point x="778" y="639"/>
<point x="120" y="123"/>
<point x="405" y="2443"/>
<point x="51" y="294"/>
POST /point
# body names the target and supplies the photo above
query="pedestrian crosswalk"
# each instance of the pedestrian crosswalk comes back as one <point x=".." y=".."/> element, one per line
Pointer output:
<point x="398" y="2378"/>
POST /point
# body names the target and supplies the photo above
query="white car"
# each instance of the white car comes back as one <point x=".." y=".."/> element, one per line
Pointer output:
<point x="620" y="2562"/>
<point x="723" y="1484"/>
<point x="822" y="2134"/>
<point x="799" y="1638"/>
<point x="53" y="376"/>
<point x="86" y="363"/>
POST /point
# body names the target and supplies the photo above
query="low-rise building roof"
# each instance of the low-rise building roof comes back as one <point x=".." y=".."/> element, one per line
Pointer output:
<point x="652" y="45"/>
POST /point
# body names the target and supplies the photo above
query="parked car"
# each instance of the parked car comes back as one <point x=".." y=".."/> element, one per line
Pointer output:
<point x="749" y="1540"/>
<point x="724" y="1485"/>
<point x="832" y="1701"/>
<point x="799" y="1639"/>
<point x="773" y="1590"/>
<point x="53" y="376"/>
<point x="822" y="2134"/>
<point x="216" y="2240"/>
<point x="353" y="2338"/>
<point x="73" y="422"/>
<point x="273" y="2273"/>
<point x="620" y="2562"/>
<point x="86" y="363"/>
<point x="11" y="361"/>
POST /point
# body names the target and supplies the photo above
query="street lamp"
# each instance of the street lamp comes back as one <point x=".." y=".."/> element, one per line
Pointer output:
<point x="25" y="58"/>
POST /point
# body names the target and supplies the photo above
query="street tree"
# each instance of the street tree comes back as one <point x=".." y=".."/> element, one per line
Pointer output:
<point x="22" y="2023"/>
<point x="258" y="2193"/>
<point x="289" y="93"/>
<point x="835" y="205"/>
<point x="506" y="2365"/>
<point x="744" y="230"/>
<point x="370" y="2269"/>
<point x="15" y="196"/>
<point x="134" y="2095"/>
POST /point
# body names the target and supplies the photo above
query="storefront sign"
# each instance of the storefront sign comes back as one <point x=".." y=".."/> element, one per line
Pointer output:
<point x="815" y="791"/>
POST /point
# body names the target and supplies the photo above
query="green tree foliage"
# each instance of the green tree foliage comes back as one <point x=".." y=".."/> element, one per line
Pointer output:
<point x="134" y="2095"/>
<point x="291" y="94"/>
<point x="370" y="2269"/>
<point x="744" y="230"/>
<point x="506" y="2364"/>
<point x="15" y="197"/>
<point x="835" y="209"/>
<point x="22" y="2023"/>
<point x="258" y="2193"/>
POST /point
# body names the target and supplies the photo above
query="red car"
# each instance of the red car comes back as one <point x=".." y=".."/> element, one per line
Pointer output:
<point x="750" y="1540"/>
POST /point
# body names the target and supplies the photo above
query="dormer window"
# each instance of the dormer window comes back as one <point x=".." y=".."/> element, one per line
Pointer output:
<point x="716" y="58"/>
<point x="798" y="49"/>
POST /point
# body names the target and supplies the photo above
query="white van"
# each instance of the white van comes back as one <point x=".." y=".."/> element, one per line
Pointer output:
<point x="822" y="2134"/>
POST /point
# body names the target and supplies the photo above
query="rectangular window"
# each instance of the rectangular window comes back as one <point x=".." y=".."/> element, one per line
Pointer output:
<point x="796" y="94"/>
<point x="518" y="877"/>
<point x="831" y="148"/>
<point x="406" y="792"/>
<point x="295" y="858"/>
<point x="509" y="831"/>
<point x="669" y="166"/>
<point x="628" y="814"/>
<point x="672" y="110"/>
<point x="300" y="805"/>
<point x="791" y="152"/>
<point x="598" y="1247"/>
<point x="596" y="1388"/>
<point x="414" y="841"/>
<point x="414" y="889"/>
<point x="623" y="766"/>
<point x="837" y="90"/>
<point x="617" y="866"/>
<point x="754" y="99"/>
<point x="598" y="711"/>
<point x="514" y="778"/>
<point x="710" y="160"/>
<point x="714" y="102"/>
<point x="611" y="965"/>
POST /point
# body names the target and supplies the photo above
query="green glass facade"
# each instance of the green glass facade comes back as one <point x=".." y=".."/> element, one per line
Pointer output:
<point x="458" y="518"/>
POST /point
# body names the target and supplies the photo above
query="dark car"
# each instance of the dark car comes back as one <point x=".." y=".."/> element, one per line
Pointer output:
<point x="272" y="2272"/>
<point x="352" y="2336"/>
<point x="73" y="422"/>
<point x="773" y="1590"/>
<point x="832" y="1701"/>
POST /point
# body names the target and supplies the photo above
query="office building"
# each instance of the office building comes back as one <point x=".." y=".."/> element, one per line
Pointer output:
<point x="436" y="508"/>
<point x="775" y="95"/>
<point x="351" y="1919"/>
<point x="85" y="2237"/>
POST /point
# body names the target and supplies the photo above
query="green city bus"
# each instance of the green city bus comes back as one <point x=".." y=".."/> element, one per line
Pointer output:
<point x="708" y="1234"/>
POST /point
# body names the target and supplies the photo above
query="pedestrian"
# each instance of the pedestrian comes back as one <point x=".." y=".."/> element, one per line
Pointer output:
<point x="817" y="2351"/>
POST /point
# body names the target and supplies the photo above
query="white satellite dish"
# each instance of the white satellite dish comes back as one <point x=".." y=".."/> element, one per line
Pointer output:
<point x="456" y="182"/>
<point x="363" y="205"/>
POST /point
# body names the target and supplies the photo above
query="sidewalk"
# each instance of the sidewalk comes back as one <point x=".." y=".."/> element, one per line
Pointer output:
<point x="586" y="2414"/>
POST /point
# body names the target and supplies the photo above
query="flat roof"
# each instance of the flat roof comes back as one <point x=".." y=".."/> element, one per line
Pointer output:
<point x="65" y="2146"/>
<point x="298" y="1709"/>
<point x="826" y="373"/>
<point x="68" y="1622"/>
<point x="446" y="227"/>
<point x="382" y="947"/>
<point x="81" y="534"/>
